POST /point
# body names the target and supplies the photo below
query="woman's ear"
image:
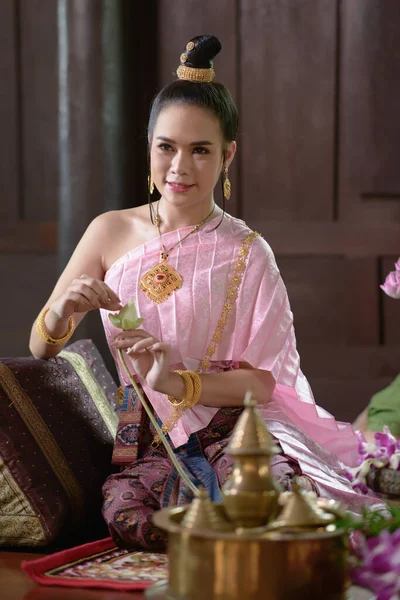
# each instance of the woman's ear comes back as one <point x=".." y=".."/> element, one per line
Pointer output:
<point x="229" y="154"/>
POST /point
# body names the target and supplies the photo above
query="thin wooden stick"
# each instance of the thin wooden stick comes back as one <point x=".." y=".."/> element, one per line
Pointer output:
<point x="160" y="432"/>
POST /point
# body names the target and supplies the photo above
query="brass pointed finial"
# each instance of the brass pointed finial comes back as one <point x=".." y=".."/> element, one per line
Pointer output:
<point x="250" y="495"/>
<point x="249" y="399"/>
<point x="250" y="435"/>
<point x="301" y="510"/>
<point x="202" y="514"/>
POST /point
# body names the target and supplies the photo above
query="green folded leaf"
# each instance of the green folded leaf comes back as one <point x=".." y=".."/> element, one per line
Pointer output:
<point x="127" y="318"/>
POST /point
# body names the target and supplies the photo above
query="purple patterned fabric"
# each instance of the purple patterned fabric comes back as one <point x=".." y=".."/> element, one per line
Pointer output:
<point x="55" y="446"/>
<point x="133" y="495"/>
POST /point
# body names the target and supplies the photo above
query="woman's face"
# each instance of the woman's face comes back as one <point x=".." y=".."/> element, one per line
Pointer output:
<point x="187" y="155"/>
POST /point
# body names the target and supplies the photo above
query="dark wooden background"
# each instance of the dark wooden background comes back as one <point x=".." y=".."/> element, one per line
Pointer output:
<point x="317" y="83"/>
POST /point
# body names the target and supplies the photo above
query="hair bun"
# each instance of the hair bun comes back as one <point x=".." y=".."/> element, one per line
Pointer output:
<point x="200" y="52"/>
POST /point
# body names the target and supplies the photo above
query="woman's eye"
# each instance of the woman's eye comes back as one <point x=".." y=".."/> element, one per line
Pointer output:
<point x="200" y="150"/>
<point x="165" y="147"/>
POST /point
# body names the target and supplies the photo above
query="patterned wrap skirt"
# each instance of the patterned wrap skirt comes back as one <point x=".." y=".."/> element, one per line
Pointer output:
<point x="148" y="481"/>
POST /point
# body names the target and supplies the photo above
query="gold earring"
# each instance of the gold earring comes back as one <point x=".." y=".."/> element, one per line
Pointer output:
<point x="227" y="185"/>
<point x="150" y="184"/>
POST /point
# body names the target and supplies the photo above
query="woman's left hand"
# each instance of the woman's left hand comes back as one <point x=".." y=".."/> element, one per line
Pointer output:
<point x="150" y="357"/>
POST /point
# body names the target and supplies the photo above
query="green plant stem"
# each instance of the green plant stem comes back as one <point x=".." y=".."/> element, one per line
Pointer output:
<point x="156" y="426"/>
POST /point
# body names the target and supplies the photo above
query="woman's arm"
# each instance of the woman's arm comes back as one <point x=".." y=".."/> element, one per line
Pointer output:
<point x="79" y="289"/>
<point x="226" y="388"/>
<point x="150" y="360"/>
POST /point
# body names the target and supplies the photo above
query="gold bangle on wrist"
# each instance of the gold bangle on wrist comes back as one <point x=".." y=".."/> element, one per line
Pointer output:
<point x="44" y="334"/>
<point x="188" y="393"/>
<point x="192" y="395"/>
<point x="197" y="387"/>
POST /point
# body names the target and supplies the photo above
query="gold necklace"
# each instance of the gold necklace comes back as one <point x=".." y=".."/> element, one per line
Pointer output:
<point x="162" y="280"/>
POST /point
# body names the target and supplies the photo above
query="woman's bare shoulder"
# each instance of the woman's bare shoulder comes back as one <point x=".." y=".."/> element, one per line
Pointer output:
<point x="108" y="219"/>
<point x="119" y="231"/>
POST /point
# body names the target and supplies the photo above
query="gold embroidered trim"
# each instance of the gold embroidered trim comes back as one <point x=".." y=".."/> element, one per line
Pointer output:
<point x="121" y="452"/>
<point x="19" y="524"/>
<point x="126" y="417"/>
<point x="56" y="570"/>
<point x="45" y="440"/>
<point x="232" y="294"/>
<point x="96" y="393"/>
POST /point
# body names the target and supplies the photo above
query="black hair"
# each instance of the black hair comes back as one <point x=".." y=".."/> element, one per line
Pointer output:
<point x="214" y="97"/>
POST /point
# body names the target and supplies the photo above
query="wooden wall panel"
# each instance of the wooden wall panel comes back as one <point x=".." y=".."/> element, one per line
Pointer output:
<point x="346" y="399"/>
<point x="181" y="20"/>
<point x="325" y="238"/>
<point x="318" y="297"/>
<point x="287" y="108"/>
<point x="334" y="300"/>
<point x="30" y="279"/>
<point x="9" y="111"/>
<point x="39" y="97"/>
<point x="369" y="111"/>
<point x="350" y="362"/>
<point x="32" y="238"/>
<point x="361" y="290"/>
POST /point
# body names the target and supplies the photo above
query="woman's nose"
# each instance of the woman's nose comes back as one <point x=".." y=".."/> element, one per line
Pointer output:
<point x="180" y="164"/>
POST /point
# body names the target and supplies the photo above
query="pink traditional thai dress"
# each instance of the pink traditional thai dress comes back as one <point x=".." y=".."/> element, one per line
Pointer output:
<point x="260" y="332"/>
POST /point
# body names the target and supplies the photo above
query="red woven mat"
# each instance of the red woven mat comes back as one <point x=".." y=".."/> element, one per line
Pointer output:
<point x="99" y="565"/>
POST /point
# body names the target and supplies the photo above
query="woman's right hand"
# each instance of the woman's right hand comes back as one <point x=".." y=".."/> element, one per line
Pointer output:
<point x="84" y="294"/>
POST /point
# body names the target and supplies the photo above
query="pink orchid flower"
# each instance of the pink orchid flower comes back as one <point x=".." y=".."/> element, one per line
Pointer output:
<point x="391" y="287"/>
<point x="384" y="453"/>
<point x="379" y="564"/>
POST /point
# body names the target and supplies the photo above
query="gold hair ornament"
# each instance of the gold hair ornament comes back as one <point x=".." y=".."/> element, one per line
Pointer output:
<point x="193" y="74"/>
<point x="44" y="334"/>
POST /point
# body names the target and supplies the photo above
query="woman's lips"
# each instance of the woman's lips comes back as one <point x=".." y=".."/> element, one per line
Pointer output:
<point x="179" y="187"/>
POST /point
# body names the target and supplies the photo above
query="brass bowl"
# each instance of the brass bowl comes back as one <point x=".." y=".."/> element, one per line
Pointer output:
<point x="301" y="564"/>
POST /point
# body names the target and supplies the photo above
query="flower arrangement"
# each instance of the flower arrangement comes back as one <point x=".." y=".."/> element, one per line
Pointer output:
<point x="384" y="453"/>
<point x="375" y="536"/>
<point x="375" y="552"/>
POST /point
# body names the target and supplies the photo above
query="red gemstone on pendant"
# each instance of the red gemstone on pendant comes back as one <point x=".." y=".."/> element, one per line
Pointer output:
<point x="160" y="277"/>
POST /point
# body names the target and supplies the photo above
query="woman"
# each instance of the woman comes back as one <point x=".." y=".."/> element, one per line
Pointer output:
<point x="216" y="319"/>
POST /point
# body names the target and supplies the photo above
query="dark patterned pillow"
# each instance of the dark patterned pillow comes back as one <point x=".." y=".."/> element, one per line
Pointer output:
<point x="58" y="420"/>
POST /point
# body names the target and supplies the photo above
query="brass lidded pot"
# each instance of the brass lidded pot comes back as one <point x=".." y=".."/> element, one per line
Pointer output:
<point x="285" y="547"/>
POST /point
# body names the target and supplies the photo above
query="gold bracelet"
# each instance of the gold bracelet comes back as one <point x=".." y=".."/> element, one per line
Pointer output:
<point x="44" y="334"/>
<point x="197" y="386"/>
<point x="188" y="393"/>
<point x="193" y="392"/>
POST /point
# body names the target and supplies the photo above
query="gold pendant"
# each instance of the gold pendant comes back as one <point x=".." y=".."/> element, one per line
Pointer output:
<point x="160" y="283"/>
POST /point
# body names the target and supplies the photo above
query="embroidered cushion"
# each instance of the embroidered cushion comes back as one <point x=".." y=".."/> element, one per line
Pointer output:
<point x="58" y="420"/>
